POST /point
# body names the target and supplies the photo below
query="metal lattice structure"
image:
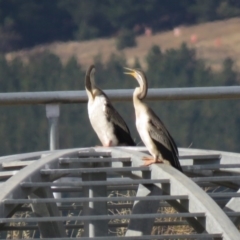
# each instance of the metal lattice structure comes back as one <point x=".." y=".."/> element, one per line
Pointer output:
<point x="105" y="193"/>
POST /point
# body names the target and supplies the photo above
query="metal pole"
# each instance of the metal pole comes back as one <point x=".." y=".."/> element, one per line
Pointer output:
<point x="53" y="112"/>
<point x="95" y="228"/>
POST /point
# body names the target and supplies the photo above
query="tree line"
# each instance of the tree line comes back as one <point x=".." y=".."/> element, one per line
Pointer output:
<point x="197" y="124"/>
<point x="31" y="22"/>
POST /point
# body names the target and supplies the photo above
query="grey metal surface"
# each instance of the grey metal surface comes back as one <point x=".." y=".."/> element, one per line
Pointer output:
<point x="49" y="228"/>
<point x="94" y="183"/>
<point x="92" y="160"/>
<point x="53" y="113"/>
<point x="198" y="199"/>
<point x="93" y="225"/>
<point x="103" y="217"/>
<point x="80" y="226"/>
<point x="163" y="237"/>
<point x="91" y="170"/>
<point x="233" y="204"/>
<point x="66" y="97"/>
<point x="95" y="199"/>
<point x="161" y="182"/>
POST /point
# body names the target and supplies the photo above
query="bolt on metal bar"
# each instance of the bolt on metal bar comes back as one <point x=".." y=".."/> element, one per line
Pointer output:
<point x="96" y="199"/>
<point x="167" y="94"/>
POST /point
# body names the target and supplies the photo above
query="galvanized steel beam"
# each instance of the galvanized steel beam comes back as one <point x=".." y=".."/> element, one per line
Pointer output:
<point x="93" y="228"/>
<point x="11" y="188"/>
<point x="102" y="217"/>
<point x="47" y="229"/>
<point x="166" y="94"/>
<point x="53" y="113"/>
<point x="216" y="221"/>
<point x="199" y="201"/>
<point x="150" y="237"/>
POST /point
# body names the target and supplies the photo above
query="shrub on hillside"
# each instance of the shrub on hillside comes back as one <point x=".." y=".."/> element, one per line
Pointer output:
<point x="125" y="39"/>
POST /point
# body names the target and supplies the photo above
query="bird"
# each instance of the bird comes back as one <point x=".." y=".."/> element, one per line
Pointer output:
<point x="151" y="129"/>
<point x="107" y="123"/>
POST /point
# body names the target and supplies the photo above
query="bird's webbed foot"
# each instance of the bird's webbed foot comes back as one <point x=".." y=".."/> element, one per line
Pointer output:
<point x="148" y="160"/>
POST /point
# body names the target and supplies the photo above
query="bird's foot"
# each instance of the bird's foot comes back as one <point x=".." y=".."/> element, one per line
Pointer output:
<point x="150" y="160"/>
<point x="109" y="144"/>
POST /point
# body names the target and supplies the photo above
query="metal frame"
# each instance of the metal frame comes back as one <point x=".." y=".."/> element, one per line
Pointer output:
<point x="38" y="177"/>
<point x="159" y="182"/>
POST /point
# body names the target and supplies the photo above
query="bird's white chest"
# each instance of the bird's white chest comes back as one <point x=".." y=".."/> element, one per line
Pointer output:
<point x="98" y="118"/>
<point x="96" y="107"/>
<point x="142" y="124"/>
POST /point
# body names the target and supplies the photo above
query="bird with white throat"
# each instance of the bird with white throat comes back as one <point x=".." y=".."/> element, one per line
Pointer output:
<point x="151" y="129"/>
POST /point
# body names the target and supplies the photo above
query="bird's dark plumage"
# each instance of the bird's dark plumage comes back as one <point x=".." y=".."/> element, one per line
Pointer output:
<point x="120" y="127"/>
<point x="163" y="140"/>
<point x="105" y="120"/>
<point x="151" y="129"/>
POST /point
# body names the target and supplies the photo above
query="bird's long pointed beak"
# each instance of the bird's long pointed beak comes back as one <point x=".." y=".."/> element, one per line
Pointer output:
<point x="131" y="72"/>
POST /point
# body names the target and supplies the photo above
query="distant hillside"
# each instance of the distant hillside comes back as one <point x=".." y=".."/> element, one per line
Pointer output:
<point x="213" y="41"/>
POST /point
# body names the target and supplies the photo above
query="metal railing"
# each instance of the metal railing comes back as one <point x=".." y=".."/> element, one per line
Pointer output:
<point x="59" y="163"/>
<point x="167" y="94"/>
<point x="52" y="100"/>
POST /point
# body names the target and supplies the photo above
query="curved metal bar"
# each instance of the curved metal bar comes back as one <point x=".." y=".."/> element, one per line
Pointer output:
<point x="11" y="188"/>
<point x="199" y="201"/>
<point x="227" y="158"/>
<point x="21" y="156"/>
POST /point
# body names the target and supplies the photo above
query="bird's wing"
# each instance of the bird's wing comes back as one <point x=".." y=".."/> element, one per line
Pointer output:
<point x="159" y="132"/>
<point x="115" y="117"/>
<point x="163" y="140"/>
<point x="120" y="126"/>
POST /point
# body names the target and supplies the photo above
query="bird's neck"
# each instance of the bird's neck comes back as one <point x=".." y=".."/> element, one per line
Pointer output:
<point x="89" y="94"/>
<point x="88" y="87"/>
<point x="137" y="99"/>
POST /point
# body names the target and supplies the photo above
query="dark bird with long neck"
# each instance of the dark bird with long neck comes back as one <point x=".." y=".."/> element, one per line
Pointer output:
<point x="151" y="129"/>
<point x="109" y="126"/>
